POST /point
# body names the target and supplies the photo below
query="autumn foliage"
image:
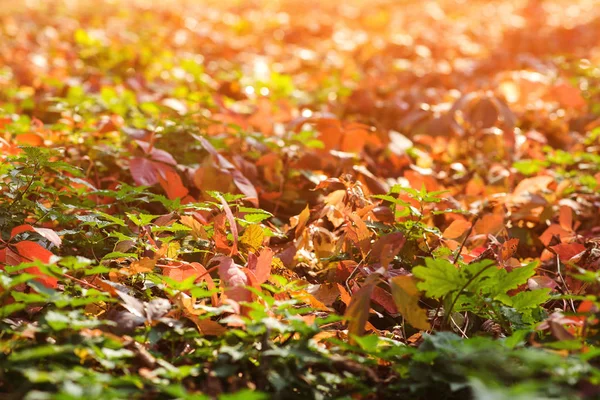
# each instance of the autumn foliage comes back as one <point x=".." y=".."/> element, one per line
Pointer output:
<point x="300" y="199"/>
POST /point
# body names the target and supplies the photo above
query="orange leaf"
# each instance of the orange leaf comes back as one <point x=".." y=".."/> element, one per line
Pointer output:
<point x="141" y="266"/>
<point x="205" y="276"/>
<point x="344" y="295"/>
<point x="171" y="183"/>
<point x="220" y="235"/>
<point x="29" y="139"/>
<point x="30" y="251"/>
<point x="456" y="229"/>
<point x="508" y="249"/>
<point x="565" y="218"/>
<point x="359" y="233"/>
<point x="490" y="224"/>
<point x="197" y="228"/>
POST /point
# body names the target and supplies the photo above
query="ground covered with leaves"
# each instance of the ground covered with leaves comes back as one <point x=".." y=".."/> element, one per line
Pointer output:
<point x="300" y="199"/>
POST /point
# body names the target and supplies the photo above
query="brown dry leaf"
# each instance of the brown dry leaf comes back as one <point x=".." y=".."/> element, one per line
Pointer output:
<point x="325" y="293"/>
<point x="508" y="249"/>
<point x="208" y="327"/>
<point x="357" y="312"/>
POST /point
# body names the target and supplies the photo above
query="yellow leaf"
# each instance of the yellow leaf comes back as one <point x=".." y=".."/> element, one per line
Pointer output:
<point x="300" y="221"/>
<point x="253" y="237"/>
<point x="406" y="296"/>
<point x="173" y="249"/>
<point x="144" y="265"/>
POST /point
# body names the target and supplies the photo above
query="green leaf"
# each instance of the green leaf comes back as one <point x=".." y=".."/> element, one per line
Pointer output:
<point x="40" y="352"/>
<point x="244" y="395"/>
<point x="438" y="277"/>
<point x="515" y="278"/>
<point x="525" y="300"/>
<point x="141" y="219"/>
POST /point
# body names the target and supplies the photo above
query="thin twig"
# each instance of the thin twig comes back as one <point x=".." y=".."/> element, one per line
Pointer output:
<point x="566" y="288"/>
<point x="462" y="244"/>
<point x="82" y="282"/>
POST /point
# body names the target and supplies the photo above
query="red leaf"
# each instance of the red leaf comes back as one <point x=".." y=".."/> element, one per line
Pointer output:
<point x="387" y="247"/>
<point x="566" y="251"/>
<point x="20" y="229"/>
<point x="142" y="171"/>
<point x="7" y="256"/>
<point x="223" y="162"/>
<point x="245" y="186"/>
<point x="261" y="264"/>
<point x="156" y="154"/>
<point x="384" y="299"/>
<point x="234" y="279"/>
<point x="565" y="218"/>
<point x="33" y="251"/>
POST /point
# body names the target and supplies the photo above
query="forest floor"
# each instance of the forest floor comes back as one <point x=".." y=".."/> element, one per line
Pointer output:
<point x="300" y="199"/>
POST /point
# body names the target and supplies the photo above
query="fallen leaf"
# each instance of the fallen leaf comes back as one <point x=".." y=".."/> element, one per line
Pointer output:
<point x="406" y="295"/>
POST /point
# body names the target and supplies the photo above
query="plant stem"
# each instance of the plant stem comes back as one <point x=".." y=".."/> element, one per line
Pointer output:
<point x="448" y="312"/>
